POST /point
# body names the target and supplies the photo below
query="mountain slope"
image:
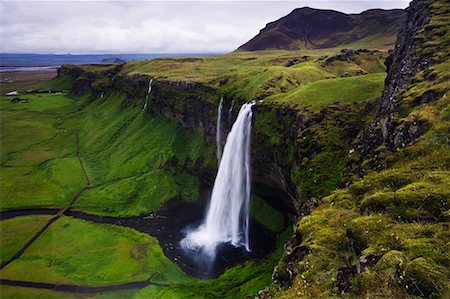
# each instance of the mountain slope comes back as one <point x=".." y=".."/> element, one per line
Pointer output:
<point x="313" y="28"/>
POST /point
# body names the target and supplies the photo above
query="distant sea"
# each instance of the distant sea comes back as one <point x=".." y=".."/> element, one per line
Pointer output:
<point x="29" y="62"/>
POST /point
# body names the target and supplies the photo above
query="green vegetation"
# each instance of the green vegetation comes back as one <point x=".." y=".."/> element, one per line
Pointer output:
<point x="127" y="155"/>
<point x="324" y="92"/>
<point x="112" y="254"/>
<point x="376" y="41"/>
<point x="17" y="231"/>
<point x="262" y="212"/>
<point x="37" y="102"/>
<point x="251" y="75"/>
<point x="51" y="185"/>
<point x="39" y="166"/>
<point x="27" y="293"/>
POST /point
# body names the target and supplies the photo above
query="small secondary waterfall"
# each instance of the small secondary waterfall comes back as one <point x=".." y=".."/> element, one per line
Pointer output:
<point x="148" y="93"/>
<point x="227" y="219"/>
<point x="219" y="130"/>
<point x="231" y="107"/>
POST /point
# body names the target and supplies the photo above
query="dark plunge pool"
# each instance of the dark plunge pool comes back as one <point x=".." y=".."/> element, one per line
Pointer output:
<point x="169" y="228"/>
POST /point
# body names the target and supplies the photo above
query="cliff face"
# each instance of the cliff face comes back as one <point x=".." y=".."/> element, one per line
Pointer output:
<point x="194" y="106"/>
<point x="388" y="132"/>
<point x="294" y="158"/>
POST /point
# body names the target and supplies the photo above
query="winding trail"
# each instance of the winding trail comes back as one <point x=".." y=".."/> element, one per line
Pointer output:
<point x="57" y="216"/>
<point x="71" y="288"/>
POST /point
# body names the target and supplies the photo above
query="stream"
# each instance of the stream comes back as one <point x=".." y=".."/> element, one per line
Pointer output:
<point x="169" y="228"/>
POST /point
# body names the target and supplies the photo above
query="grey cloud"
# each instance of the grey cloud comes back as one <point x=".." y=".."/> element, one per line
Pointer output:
<point x="147" y="26"/>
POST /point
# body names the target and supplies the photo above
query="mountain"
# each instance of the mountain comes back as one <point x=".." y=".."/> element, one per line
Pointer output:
<point x="315" y="29"/>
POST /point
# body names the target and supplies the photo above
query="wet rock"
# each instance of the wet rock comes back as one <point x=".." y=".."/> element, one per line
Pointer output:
<point x="82" y="86"/>
<point x="95" y="82"/>
<point x="345" y="275"/>
<point x="286" y="271"/>
<point x="344" y="279"/>
<point x="295" y="61"/>
<point x="308" y="207"/>
<point x="19" y="100"/>
<point x="193" y="105"/>
<point x="366" y="261"/>
<point x="428" y="97"/>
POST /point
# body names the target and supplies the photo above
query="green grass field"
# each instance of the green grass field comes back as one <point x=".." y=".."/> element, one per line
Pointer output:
<point x="324" y="92"/>
<point x="112" y="254"/>
<point x="125" y="153"/>
<point x="251" y="75"/>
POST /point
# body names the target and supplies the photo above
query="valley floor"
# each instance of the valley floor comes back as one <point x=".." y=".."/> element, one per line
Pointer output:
<point x="61" y="154"/>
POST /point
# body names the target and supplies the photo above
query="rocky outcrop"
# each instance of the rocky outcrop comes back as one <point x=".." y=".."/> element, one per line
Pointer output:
<point x="96" y="81"/>
<point x="286" y="271"/>
<point x="349" y="56"/>
<point x="276" y="151"/>
<point x="193" y="105"/>
<point x="392" y="129"/>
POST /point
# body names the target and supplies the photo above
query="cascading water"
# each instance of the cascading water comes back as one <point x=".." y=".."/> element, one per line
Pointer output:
<point x="231" y="108"/>
<point x="148" y="93"/>
<point x="227" y="219"/>
<point x="219" y="130"/>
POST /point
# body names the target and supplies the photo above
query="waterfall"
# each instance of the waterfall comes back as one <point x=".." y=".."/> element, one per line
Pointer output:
<point x="231" y="107"/>
<point x="219" y="131"/>
<point x="227" y="219"/>
<point x="148" y="93"/>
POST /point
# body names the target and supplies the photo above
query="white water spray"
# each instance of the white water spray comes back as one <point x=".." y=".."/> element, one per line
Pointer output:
<point x="148" y="93"/>
<point x="227" y="220"/>
<point x="219" y="130"/>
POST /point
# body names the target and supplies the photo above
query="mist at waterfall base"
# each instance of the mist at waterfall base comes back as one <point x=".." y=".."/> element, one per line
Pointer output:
<point x="226" y="226"/>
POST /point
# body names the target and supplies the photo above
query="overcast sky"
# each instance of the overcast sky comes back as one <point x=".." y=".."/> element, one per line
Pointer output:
<point x="147" y="26"/>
